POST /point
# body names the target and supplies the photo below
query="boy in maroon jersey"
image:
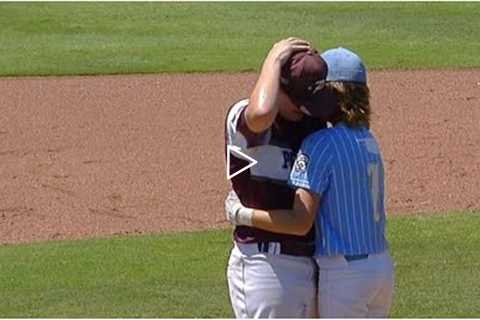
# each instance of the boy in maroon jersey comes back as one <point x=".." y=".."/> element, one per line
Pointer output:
<point x="272" y="275"/>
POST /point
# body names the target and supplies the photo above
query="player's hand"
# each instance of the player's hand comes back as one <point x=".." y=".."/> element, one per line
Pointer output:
<point x="236" y="213"/>
<point x="284" y="49"/>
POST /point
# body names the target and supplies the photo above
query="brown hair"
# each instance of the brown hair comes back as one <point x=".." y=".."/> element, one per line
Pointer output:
<point x="354" y="103"/>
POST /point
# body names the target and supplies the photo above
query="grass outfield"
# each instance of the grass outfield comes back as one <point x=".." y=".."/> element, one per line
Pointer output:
<point x="183" y="275"/>
<point x="112" y="38"/>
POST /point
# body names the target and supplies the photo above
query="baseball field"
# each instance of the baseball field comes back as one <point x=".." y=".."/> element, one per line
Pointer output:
<point x="112" y="173"/>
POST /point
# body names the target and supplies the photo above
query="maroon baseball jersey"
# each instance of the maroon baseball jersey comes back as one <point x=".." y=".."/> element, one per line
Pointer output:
<point x="264" y="186"/>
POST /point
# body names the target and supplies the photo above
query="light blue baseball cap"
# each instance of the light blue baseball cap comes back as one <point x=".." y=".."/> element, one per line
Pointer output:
<point x="344" y="66"/>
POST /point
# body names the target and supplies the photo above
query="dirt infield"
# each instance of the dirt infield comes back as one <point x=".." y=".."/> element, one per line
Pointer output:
<point x="98" y="156"/>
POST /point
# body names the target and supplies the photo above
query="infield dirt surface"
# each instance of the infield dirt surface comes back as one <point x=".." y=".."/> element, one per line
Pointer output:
<point x="99" y="156"/>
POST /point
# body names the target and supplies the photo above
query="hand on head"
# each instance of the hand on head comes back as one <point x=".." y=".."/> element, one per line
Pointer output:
<point x="265" y="101"/>
<point x="284" y="49"/>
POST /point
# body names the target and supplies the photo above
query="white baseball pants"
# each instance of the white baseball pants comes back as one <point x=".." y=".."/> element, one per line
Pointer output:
<point x="355" y="289"/>
<point x="270" y="285"/>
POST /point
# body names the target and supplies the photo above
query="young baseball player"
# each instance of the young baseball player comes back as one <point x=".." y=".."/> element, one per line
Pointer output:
<point x="271" y="275"/>
<point x="339" y="177"/>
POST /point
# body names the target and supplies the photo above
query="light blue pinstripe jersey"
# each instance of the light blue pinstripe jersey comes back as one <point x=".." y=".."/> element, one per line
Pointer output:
<point x="344" y="166"/>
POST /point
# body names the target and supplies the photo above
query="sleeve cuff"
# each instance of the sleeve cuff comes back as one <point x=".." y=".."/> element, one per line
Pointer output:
<point x="299" y="183"/>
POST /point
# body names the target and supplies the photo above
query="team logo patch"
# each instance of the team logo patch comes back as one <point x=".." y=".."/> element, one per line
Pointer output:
<point x="301" y="164"/>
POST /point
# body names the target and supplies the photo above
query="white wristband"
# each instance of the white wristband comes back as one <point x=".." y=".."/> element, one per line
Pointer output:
<point x="244" y="216"/>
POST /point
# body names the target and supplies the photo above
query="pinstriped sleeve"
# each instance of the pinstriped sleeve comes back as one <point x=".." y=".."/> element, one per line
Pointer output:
<point x="311" y="169"/>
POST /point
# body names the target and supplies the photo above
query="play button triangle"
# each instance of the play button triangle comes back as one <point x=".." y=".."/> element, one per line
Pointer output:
<point x="237" y="151"/>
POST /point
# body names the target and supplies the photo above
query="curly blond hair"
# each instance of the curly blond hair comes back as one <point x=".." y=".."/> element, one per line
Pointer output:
<point x="354" y="103"/>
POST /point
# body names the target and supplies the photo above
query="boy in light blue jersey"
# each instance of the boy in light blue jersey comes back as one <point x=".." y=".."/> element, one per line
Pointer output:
<point x="339" y="177"/>
<point x="344" y="166"/>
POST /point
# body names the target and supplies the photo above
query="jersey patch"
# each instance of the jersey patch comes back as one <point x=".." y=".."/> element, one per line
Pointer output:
<point x="301" y="164"/>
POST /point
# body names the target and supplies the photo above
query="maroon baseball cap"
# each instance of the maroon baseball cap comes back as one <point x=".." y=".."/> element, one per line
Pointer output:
<point x="303" y="78"/>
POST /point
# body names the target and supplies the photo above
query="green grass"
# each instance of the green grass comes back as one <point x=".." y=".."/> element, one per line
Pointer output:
<point x="166" y="276"/>
<point x="437" y="265"/>
<point x="183" y="275"/>
<point x="111" y="38"/>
